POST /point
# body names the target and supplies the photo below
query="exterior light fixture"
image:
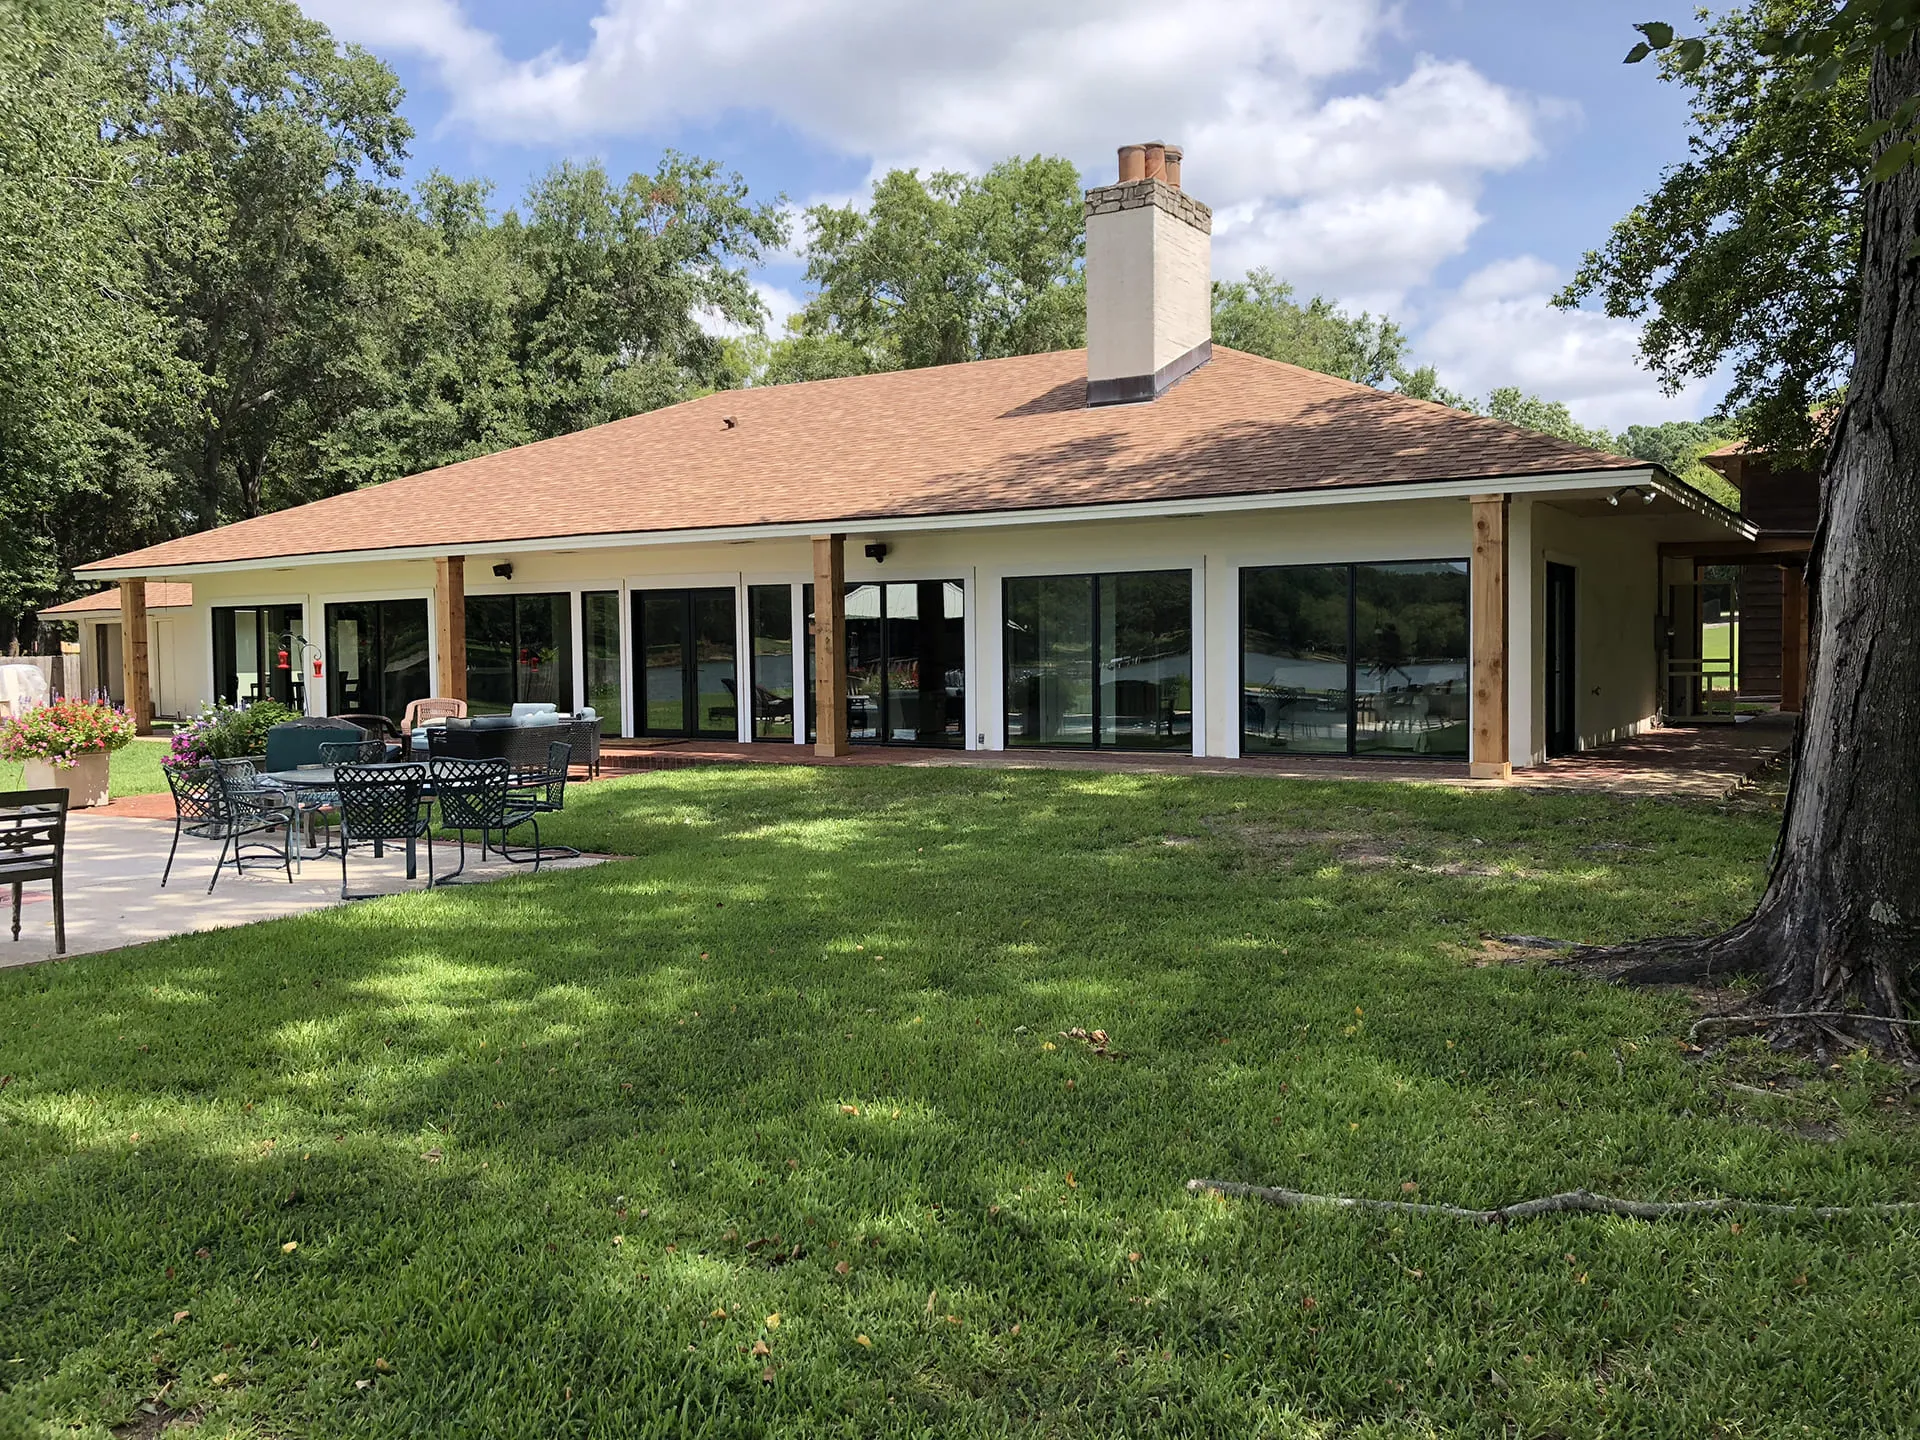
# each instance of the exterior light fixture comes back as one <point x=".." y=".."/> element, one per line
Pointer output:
<point x="1646" y="496"/>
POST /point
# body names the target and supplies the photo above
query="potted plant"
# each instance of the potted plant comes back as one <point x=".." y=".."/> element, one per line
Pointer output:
<point x="225" y="732"/>
<point x="64" y="746"/>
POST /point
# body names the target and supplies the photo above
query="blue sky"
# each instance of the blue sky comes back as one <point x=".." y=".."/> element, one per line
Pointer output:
<point x="1447" y="161"/>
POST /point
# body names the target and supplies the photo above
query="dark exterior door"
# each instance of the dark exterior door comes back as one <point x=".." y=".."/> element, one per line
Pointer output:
<point x="686" y="655"/>
<point x="1562" y="687"/>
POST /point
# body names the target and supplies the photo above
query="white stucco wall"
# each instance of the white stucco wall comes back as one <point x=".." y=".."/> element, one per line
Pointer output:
<point x="1616" y="558"/>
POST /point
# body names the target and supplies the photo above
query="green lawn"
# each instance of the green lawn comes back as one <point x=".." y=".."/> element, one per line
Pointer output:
<point x="132" y="770"/>
<point x="546" y="1157"/>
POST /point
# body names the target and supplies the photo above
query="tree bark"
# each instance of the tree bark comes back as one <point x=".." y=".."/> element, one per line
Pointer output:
<point x="1839" y="925"/>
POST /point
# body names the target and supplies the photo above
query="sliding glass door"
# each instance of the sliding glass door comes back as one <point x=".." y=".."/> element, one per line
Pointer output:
<point x="686" y="656"/>
<point x="519" y="651"/>
<point x="376" y="657"/>
<point x="1101" y="660"/>
<point x="770" y="624"/>
<point x="906" y="662"/>
<point x="257" y="655"/>
<point x="1355" y="659"/>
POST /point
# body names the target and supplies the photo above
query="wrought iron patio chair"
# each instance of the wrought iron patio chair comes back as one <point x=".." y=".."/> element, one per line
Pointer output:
<point x="474" y="795"/>
<point x="243" y="806"/>
<point x="382" y="806"/>
<point x="194" y="808"/>
<point x="543" y="794"/>
<point x="354" y="752"/>
<point x="33" y="846"/>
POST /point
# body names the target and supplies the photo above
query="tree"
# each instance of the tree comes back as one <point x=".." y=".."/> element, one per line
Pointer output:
<point x="1838" y="927"/>
<point x="1259" y="315"/>
<point x="1749" y="251"/>
<point x="261" y="144"/>
<point x="586" y="309"/>
<point x="933" y="272"/>
<point x="80" y="356"/>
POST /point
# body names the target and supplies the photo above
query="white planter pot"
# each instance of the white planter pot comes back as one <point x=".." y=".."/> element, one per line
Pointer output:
<point x="85" y="781"/>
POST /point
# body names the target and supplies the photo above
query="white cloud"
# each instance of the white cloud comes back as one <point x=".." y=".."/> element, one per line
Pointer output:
<point x="1356" y="188"/>
<point x="1498" y="328"/>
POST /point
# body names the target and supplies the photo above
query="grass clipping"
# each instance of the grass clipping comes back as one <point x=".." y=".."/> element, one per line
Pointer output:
<point x="1565" y="1202"/>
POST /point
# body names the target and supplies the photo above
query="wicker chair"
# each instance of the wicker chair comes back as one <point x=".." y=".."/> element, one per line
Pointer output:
<point x="585" y="738"/>
<point x="381" y="806"/>
<point x="422" y="713"/>
<point x="473" y="795"/>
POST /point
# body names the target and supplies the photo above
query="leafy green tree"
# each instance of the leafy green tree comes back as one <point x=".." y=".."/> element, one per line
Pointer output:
<point x="936" y="271"/>
<point x="1835" y="935"/>
<point x="1747" y="254"/>
<point x="587" y="308"/>
<point x="1260" y="316"/>
<point x="80" y="355"/>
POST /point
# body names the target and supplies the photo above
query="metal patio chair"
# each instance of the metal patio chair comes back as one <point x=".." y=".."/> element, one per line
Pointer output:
<point x="33" y="846"/>
<point x="243" y="806"/>
<point x="380" y="806"/>
<point x="474" y="795"/>
<point x="543" y="794"/>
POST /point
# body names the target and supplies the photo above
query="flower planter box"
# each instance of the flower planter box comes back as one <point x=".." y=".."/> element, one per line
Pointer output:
<point x="85" y="781"/>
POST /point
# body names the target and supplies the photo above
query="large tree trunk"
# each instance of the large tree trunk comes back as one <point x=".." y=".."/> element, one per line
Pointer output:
<point x="1839" y="925"/>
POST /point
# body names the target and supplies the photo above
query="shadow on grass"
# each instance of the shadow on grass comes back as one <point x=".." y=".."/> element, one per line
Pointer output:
<point x="528" y="1138"/>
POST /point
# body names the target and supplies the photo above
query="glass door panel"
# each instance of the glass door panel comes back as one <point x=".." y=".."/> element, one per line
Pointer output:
<point x="1411" y="686"/>
<point x="404" y="672"/>
<point x="866" y="662"/>
<point x="489" y="654"/>
<point x="770" y="622"/>
<point x="1146" y="659"/>
<point x="543" y="650"/>
<point x="1050" y="648"/>
<point x="600" y="623"/>
<point x="716" y="662"/>
<point x="1293" y="658"/>
<point x="661" y="646"/>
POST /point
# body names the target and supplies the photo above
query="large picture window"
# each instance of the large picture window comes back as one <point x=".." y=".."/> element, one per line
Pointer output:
<point x="519" y="652"/>
<point x="1355" y="659"/>
<point x="376" y="657"/>
<point x="250" y="644"/>
<point x="1101" y="660"/>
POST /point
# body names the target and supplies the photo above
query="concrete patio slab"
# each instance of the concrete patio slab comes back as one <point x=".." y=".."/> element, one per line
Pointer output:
<point x="114" y="896"/>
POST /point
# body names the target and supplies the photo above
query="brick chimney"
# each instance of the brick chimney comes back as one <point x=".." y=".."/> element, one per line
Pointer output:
<point x="1149" y="279"/>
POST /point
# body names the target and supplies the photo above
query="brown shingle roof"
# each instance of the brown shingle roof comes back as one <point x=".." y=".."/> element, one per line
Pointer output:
<point x="994" y="435"/>
<point x="161" y="595"/>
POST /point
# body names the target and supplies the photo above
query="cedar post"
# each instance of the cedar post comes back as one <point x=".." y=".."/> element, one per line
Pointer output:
<point x="450" y="626"/>
<point x="830" y="645"/>
<point x="1793" y="640"/>
<point x="1490" y="759"/>
<point x="135" y="686"/>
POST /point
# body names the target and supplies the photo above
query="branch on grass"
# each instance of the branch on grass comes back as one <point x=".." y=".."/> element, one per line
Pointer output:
<point x="1563" y="1203"/>
<point x="1859" y="1016"/>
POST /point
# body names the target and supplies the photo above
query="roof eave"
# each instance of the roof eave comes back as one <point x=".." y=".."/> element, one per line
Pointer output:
<point x="1547" y="482"/>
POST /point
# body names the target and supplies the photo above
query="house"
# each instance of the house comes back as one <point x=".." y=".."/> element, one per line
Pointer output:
<point x="1150" y="543"/>
<point x="174" y="687"/>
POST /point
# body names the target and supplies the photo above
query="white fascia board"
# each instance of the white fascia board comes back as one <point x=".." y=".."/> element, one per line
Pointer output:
<point x="1576" y="482"/>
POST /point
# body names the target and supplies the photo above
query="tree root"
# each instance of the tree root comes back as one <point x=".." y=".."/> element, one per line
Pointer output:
<point x="1770" y="1017"/>
<point x="1567" y="1201"/>
<point x="1672" y="962"/>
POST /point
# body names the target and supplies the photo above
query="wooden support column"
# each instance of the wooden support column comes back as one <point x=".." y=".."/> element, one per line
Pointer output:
<point x="136" y="688"/>
<point x="1793" y="639"/>
<point x="1488" y="582"/>
<point x="830" y="645"/>
<point x="450" y="626"/>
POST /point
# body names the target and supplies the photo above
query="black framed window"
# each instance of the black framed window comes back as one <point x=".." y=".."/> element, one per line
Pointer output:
<point x="686" y="656"/>
<point x="256" y="654"/>
<point x="1355" y="659"/>
<point x="1100" y="660"/>
<point x="770" y="623"/>
<point x="906" y="663"/>
<point x="600" y="647"/>
<point x="377" y="659"/>
<point x="519" y="652"/>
